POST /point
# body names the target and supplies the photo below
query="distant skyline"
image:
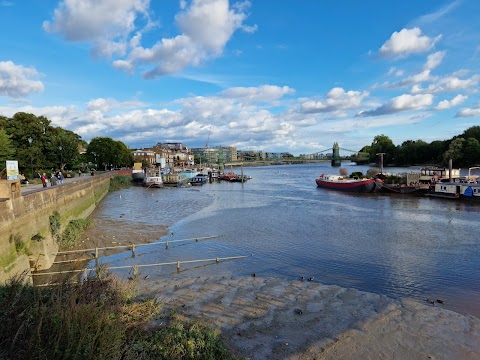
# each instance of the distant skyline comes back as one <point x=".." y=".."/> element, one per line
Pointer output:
<point x="259" y="75"/>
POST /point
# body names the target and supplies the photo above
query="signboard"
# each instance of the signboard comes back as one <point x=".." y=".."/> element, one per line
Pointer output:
<point x="12" y="170"/>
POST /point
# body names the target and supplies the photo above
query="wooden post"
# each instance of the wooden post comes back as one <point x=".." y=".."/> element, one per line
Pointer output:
<point x="135" y="271"/>
<point x="178" y="265"/>
<point x="85" y="274"/>
<point x="166" y="245"/>
<point x="133" y="251"/>
<point x="216" y="260"/>
<point x="96" y="252"/>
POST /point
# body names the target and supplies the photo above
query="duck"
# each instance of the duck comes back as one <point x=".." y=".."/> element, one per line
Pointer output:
<point x="311" y="278"/>
<point x="439" y="301"/>
<point x="298" y="311"/>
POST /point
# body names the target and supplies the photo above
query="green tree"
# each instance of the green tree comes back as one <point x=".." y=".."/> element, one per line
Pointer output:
<point x="108" y="152"/>
<point x="382" y="144"/>
<point x="7" y="151"/>
<point x="455" y="151"/>
<point x="472" y="132"/>
<point x="471" y="152"/>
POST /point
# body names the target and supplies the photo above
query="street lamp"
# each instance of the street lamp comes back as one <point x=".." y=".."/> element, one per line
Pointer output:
<point x="30" y="140"/>
<point x="381" y="162"/>
<point x="61" y="156"/>
<point x="95" y="157"/>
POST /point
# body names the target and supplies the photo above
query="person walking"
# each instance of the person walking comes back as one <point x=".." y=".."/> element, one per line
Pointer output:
<point x="53" y="180"/>
<point x="60" y="177"/>
<point x="44" y="179"/>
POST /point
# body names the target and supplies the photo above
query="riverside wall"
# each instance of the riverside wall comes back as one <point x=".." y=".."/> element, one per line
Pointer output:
<point x="26" y="239"/>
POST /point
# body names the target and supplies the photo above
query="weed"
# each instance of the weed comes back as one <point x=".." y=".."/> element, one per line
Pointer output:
<point x="119" y="182"/>
<point x="55" y="225"/>
<point x="73" y="231"/>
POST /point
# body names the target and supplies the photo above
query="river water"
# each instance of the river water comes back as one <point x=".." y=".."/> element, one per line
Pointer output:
<point x="397" y="245"/>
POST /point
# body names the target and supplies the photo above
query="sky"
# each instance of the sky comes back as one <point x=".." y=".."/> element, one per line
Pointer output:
<point x="278" y="76"/>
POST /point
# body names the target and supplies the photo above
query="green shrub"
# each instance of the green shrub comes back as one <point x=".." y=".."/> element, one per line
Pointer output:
<point x="55" y="225"/>
<point x="119" y="182"/>
<point x="73" y="231"/>
<point x="95" y="319"/>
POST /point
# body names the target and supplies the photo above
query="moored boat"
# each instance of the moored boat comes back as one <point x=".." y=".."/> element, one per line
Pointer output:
<point x="341" y="183"/>
<point x="153" y="178"/>
<point x="229" y="176"/>
<point x="200" y="179"/>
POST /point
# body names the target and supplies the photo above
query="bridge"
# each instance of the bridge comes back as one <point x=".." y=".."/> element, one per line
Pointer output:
<point x="336" y="157"/>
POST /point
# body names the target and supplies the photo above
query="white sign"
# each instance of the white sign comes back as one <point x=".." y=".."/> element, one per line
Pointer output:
<point x="12" y="170"/>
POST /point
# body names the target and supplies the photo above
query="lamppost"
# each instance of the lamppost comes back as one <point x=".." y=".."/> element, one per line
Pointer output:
<point x="30" y="140"/>
<point x="61" y="156"/>
<point x="381" y="162"/>
<point x="95" y="157"/>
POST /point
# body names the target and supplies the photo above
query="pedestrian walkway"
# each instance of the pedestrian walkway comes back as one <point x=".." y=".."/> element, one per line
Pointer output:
<point x="29" y="188"/>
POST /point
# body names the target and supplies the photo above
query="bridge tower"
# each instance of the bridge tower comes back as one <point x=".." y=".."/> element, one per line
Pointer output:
<point x="336" y="155"/>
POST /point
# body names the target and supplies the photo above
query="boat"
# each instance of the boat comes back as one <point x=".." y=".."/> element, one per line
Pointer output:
<point x="178" y="180"/>
<point x="403" y="189"/>
<point x="153" y="178"/>
<point x="200" y="179"/>
<point x="336" y="182"/>
<point x="138" y="174"/>
<point x="461" y="188"/>
<point x="229" y="176"/>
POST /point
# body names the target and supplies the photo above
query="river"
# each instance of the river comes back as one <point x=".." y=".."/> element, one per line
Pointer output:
<point x="400" y="246"/>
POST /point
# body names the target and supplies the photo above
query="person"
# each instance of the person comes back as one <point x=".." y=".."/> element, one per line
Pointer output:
<point x="44" y="179"/>
<point x="23" y="179"/>
<point x="60" y="177"/>
<point x="79" y="172"/>
<point x="53" y="180"/>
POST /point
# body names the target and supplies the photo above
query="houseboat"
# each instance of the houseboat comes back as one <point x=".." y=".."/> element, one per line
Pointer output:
<point x="138" y="174"/>
<point x="461" y="188"/>
<point x="153" y="178"/>
<point x="341" y="183"/>
<point x="176" y="180"/>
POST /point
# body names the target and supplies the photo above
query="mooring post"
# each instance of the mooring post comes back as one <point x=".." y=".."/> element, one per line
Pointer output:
<point x="166" y="245"/>
<point x="216" y="260"/>
<point x="178" y="265"/>
<point x="133" y="250"/>
<point x="135" y="271"/>
<point x="96" y="252"/>
<point x="85" y="274"/>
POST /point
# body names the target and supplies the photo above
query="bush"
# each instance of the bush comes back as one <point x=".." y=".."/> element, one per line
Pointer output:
<point x="95" y="319"/>
<point x="73" y="231"/>
<point x="120" y="182"/>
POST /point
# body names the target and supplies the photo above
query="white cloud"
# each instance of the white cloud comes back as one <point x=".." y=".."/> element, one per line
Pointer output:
<point x="447" y="104"/>
<point x="206" y="26"/>
<point x="336" y="99"/>
<point x="407" y="42"/>
<point x="106" y="23"/>
<point x="400" y="103"/>
<point x="468" y="112"/>
<point x="449" y="83"/>
<point x="433" y="60"/>
<point x="17" y="80"/>
<point x="105" y="105"/>
<point x="260" y="93"/>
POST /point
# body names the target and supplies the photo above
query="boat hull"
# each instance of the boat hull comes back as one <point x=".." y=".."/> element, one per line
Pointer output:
<point x="367" y="185"/>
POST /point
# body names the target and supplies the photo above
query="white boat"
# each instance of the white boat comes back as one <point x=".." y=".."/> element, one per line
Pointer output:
<point x="153" y="178"/>
<point x="461" y="188"/>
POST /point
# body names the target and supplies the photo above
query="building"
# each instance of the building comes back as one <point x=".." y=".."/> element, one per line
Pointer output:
<point x="215" y="155"/>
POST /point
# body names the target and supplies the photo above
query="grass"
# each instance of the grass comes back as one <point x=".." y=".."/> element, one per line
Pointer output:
<point x="99" y="318"/>
<point x="73" y="231"/>
<point x="119" y="182"/>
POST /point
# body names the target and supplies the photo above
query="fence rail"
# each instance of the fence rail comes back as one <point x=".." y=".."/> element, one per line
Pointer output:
<point x="135" y="267"/>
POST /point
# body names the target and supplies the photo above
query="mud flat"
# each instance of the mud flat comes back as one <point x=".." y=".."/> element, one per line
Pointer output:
<point x="269" y="318"/>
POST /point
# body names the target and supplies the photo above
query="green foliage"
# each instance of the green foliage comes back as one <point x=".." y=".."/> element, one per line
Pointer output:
<point x="55" y="225"/>
<point x="356" y="174"/>
<point x="454" y="151"/>
<point x="20" y="246"/>
<point x="7" y="150"/>
<point x="382" y="144"/>
<point x="119" y="182"/>
<point x="95" y="319"/>
<point x="372" y="172"/>
<point x="73" y="231"/>
<point x="104" y="151"/>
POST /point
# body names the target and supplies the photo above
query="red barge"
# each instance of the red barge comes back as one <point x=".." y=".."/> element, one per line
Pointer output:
<point x="341" y="183"/>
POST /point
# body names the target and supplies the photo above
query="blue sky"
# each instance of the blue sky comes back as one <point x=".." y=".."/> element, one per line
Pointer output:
<point x="282" y="75"/>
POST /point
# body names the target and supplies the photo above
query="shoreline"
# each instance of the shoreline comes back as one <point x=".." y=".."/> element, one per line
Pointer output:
<point x="270" y="318"/>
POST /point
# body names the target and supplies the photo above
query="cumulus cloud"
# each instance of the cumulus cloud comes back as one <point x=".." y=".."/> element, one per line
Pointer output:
<point x="433" y="60"/>
<point x="206" y="26"/>
<point x="105" y="105"/>
<point x="111" y="26"/>
<point x="447" y="84"/>
<point x="407" y="42"/>
<point x="468" y="112"/>
<point x="447" y="104"/>
<point x="18" y="81"/>
<point x="336" y="99"/>
<point x="400" y="103"/>
<point x="107" y="24"/>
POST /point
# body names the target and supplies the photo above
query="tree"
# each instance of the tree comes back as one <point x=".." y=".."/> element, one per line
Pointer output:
<point x="108" y="152"/>
<point x="7" y="151"/>
<point x="455" y="151"/>
<point x="471" y="152"/>
<point x="382" y="144"/>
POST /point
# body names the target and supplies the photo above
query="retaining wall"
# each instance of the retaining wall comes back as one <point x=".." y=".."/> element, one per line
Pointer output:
<point x="26" y="240"/>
